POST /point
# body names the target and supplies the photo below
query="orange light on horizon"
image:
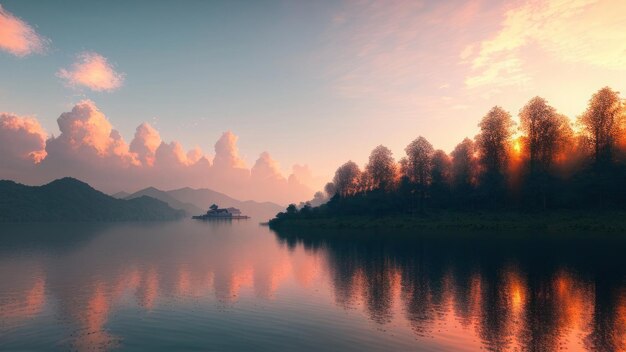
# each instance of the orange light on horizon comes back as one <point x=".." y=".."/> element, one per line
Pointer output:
<point x="517" y="147"/>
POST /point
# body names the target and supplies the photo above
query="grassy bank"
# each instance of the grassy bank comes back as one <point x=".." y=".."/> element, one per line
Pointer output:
<point x="553" y="222"/>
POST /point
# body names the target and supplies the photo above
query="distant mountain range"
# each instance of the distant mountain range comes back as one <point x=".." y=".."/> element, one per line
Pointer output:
<point x="68" y="199"/>
<point x="198" y="201"/>
<point x="188" y="208"/>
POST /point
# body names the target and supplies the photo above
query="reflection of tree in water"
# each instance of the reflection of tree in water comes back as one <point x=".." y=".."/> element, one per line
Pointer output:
<point x="608" y="328"/>
<point x="534" y="295"/>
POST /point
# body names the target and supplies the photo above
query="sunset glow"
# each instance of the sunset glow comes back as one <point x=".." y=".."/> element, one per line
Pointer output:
<point x="407" y="68"/>
<point x="349" y="175"/>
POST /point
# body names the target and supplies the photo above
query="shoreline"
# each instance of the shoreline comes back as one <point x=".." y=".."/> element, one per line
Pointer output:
<point x="590" y="223"/>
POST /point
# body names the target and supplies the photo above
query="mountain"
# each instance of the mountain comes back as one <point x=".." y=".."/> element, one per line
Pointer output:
<point x="120" y="195"/>
<point x="204" y="198"/>
<point x="68" y="199"/>
<point x="188" y="208"/>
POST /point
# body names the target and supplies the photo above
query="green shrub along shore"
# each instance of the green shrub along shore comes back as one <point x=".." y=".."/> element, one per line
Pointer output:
<point x="574" y="222"/>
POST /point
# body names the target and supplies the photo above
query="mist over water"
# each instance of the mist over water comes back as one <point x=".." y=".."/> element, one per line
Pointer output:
<point x="236" y="285"/>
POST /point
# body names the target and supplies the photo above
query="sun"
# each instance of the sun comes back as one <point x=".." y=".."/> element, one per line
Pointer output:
<point x="517" y="147"/>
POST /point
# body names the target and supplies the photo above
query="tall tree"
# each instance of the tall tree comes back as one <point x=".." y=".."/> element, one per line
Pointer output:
<point x="602" y="122"/>
<point x="381" y="168"/>
<point x="546" y="132"/>
<point x="541" y="125"/>
<point x="463" y="165"/>
<point x="330" y="189"/>
<point x="496" y="129"/>
<point x="441" y="167"/>
<point x="440" y="177"/>
<point x="347" y="179"/>
<point x="417" y="165"/>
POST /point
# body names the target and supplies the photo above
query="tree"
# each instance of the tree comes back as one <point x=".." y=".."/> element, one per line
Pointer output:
<point x="417" y="165"/>
<point x="418" y="161"/>
<point x="381" y="168"/>
<point x="441" y="165"/>
<point x="601" y="123"/>
<point x="292" y="209"/>
<point x="464" y="172"/>
<point x="496" y="129"/>
<point x="364" y="183"/>
<point x="440" y="176"/>
<point x="330" y="189"/>
<point x="319" y="198"/>
<point x="346" y="179"/>
<point x="463" y="165"/>
<point x="542" y="126"/>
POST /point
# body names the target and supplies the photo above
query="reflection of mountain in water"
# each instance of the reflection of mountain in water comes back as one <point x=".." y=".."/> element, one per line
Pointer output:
<point x="455" y="294"/>
<point x="536" y="295"/>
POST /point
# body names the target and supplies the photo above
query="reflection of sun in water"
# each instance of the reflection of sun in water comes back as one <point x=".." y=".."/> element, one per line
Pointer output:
<point x="517" y="298"/>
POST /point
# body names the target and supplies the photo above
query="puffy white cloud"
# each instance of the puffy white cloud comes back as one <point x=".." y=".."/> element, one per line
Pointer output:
<point x="89" y="148"/>
<point x="18" y="37"/>
<point x="93" y="71"/>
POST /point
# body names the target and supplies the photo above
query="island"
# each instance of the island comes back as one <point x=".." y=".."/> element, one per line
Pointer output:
<point x="217" y="213"/>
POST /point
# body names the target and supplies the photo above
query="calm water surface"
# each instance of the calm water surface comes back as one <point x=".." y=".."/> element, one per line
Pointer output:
<point x="239" y="286"/>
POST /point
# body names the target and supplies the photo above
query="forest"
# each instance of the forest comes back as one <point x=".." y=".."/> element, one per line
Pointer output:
<point x="544" y="163"/>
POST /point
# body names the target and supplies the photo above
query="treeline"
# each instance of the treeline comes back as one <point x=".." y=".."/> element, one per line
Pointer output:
<point x="545" y="162"/>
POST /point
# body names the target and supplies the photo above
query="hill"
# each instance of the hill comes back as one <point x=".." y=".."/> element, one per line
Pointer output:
<point x="188" y="208"/>
<point x="68" y="199"/>
<point x="203" y="198"/>
<point x="120" y="195"/>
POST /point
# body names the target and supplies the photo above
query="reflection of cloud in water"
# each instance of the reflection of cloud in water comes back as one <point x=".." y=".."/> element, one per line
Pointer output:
<point x="462" y="296"/>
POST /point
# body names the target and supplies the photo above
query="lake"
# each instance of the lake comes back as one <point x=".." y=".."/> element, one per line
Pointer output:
<point x="192" y="285"/>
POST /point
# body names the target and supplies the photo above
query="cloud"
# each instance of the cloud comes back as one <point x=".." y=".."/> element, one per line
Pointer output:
<point x="173" y="154"/>
<point x="89" y="148"/>
<point x="590" y="32"/>
<point x="18" y="37"/>
<point x="144" y="145"/>
<point x="227" y="153"/>
<point x="86" y="128"/>
<point x="93" y="71"/>
<point x="302" y="174"/>
<point x="266" y="169"/>
<point x="395" y="56"/>
<point x="22" y="142"/>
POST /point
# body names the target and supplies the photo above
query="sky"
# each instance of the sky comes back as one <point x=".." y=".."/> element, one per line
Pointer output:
<point x="306" y="83"/>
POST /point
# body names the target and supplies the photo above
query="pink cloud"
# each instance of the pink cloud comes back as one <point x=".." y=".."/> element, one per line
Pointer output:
<point x="589" y="32"/>
<point x="226" y="152"/>
<point x="89" y="148"/>
<point x="172" y="153"/>
<point x="146" y="141"/>
<point x="93" y="71"/>
<point x="266" y="169"/>
<point x="86" y="127"/>
<point x="22" y="142"/>
<point x="19" y="38"/>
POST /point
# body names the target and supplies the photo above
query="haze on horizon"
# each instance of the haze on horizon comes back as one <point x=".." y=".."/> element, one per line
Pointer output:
<point x="111" y="93"/>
